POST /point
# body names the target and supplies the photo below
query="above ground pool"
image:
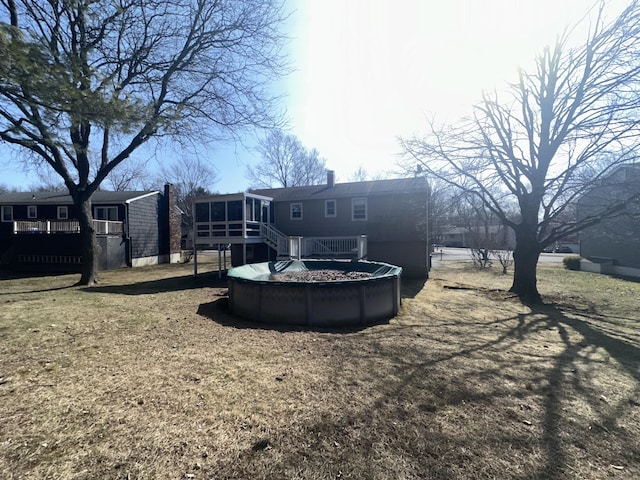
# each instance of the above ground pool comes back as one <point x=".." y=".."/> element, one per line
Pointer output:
<point x="327" y="293"/>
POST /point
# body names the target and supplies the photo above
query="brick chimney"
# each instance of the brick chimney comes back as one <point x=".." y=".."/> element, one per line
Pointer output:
<point x="331" y="178"/>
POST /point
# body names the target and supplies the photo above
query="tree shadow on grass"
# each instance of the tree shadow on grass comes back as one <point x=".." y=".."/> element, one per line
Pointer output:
<point x="9" y="275"/>
<point x="409" y="377"/>
<point x="563" y="380"/>
<point x="172" y="284"/>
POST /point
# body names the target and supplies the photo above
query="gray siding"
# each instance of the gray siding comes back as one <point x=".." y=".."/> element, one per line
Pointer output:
<point x="394" y="217"/>
<point x="617" y="238"/>
<point x="395" y="227"/>
<point x="411" y="256"/>
<point x="144" y="230"/>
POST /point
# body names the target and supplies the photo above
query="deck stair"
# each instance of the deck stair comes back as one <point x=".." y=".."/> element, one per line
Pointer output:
<point x="275" y="239"/>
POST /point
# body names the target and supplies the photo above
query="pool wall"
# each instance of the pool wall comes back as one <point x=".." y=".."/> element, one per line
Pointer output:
<point x="329" y="304"/>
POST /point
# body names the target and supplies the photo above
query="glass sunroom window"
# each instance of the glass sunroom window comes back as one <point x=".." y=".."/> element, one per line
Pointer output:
<point x="218" y="211"/>
<point x="234" y="210"/>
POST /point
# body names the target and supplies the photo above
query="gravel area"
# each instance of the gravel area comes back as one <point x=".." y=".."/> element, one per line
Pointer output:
<point x="318" y="276"/>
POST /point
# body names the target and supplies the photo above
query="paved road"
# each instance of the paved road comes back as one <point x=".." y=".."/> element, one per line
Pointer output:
<point x="448" y="253"/>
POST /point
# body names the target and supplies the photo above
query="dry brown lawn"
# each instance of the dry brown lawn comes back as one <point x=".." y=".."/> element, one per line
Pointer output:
<point x="147" y="377"/>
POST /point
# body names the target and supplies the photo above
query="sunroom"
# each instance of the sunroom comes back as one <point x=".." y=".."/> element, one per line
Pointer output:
<point x="232" y="219"/>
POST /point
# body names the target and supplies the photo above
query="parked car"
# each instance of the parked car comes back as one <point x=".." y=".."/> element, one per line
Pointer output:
<point x="563" y="249"/>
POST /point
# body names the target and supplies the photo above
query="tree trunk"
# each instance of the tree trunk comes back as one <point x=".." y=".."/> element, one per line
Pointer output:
<point x="89" y="247"/>
<point x="525" y="263"/>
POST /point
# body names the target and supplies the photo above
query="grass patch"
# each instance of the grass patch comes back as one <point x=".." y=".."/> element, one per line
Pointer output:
<point x="147" y="376"/>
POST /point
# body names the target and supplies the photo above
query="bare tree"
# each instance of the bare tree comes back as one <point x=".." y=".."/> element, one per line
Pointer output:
<point x="534" y="144"/>
<point x="286" y="162"/>
<point x="477" y="222"/>
<point x="504" y="255"/>
<point x="360" y="175"/>
<point x="191" y="177"/>
<point x="130" y="175"/>
<point x="83" y="84"/>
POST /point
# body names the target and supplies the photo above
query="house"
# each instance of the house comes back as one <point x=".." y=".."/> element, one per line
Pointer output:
<point x="380" y="220"/>
<point x="478" y="236"/>
<point x="613" y="245"/>
<point x="40" y="230"/>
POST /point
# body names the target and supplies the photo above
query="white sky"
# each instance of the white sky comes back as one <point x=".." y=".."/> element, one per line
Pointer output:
<point x="367" y="71"/>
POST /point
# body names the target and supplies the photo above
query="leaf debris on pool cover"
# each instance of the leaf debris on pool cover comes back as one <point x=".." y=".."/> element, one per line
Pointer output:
<point x="318" y="276"/>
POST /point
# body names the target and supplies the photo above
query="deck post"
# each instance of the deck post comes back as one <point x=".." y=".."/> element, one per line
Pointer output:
<point x="195" y="259"/>
<point x="295" y="248"/>
<point x="362" y="247"/>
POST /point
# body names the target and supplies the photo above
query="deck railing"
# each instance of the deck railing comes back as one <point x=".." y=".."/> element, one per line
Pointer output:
<point x="335" y="246"/>
<point x="102" y="227"/>
<point x="274" y="238"/>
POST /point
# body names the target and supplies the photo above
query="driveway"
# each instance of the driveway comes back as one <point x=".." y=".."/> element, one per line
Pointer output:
<point x="460" y="254"/>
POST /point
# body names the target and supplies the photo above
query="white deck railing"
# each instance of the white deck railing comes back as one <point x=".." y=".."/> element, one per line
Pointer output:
<point x="275" y="239"/>
<point x="102" y="227"/>
<point x="335" y="246"/>
<point x="298" y="247"/>
<point x="327" y="247"/>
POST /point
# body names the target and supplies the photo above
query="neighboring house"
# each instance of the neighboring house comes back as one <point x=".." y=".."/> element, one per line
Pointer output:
<point x="491" y="236"/>
<point x="40" y="231"/>
<point x="381" y="220"/>
<point x="613" y="246"/>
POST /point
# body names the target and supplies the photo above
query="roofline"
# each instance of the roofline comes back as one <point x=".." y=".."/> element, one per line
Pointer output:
<point x="142" y="196"/>
<point x="69" y="201"/>
<point x="231" y="196"/>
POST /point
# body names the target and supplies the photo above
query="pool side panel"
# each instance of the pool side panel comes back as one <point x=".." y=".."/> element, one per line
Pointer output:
<point x="327" y="304"/>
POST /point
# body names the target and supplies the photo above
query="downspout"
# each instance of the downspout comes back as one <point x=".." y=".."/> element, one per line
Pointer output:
<point x="127" y="236"/>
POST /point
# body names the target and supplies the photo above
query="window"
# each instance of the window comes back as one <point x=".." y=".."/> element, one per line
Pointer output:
<point x="106" y="213"/>
<point x="296" y="211"/>
<point x="7" y="213"/>
<point x="63" y="213"/>
<point x="218" y="211"/>
<point x="329" y="208"/>
<point x="202" y="212"/>
<point x="359" y="209"/>
<point x="32" y="211"/>
<point x="234" y="210"/>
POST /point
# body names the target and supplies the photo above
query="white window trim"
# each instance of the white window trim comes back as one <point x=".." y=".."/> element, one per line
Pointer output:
<point x="95" y="211"/>
<point x="64" y="209"/>
<point x="335" y="209"/>
<point x="29" y="207"/>
<point x="366" y="210"/>
<point x="8" y="208"/>
<point x="291" y="217"/>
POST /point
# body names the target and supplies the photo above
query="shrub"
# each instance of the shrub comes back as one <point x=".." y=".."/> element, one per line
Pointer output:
<point x="572" y="262"/>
